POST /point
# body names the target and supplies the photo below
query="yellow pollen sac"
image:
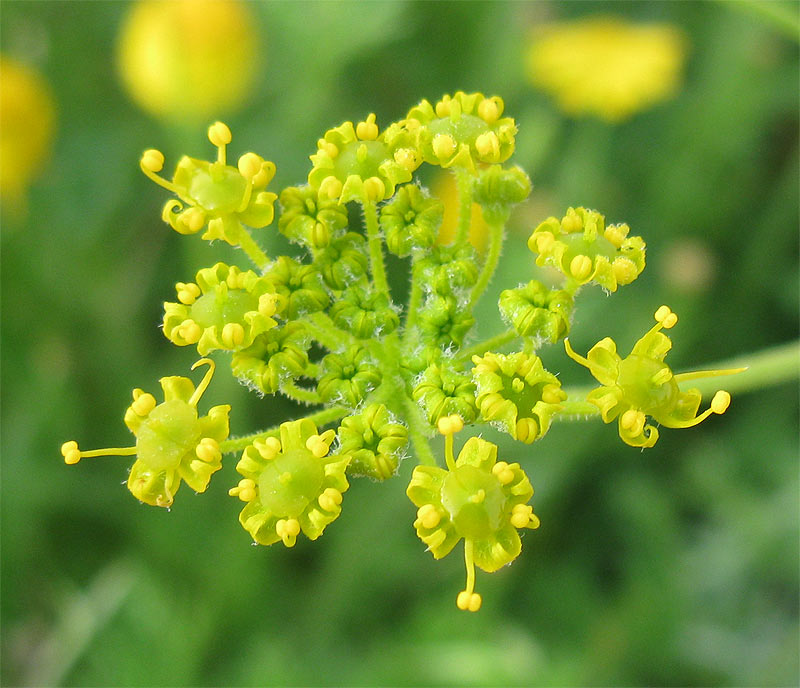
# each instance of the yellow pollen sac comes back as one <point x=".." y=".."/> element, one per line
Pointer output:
<point x="720" y="402"/>
<point x="267" y="305"/>
<point x="232" y="335"/>
<point x="249" y="165"/>
<point x="552" y="394"/>
<point x="488" y="145"/>
<point x="407" y="158"/>
<point x="521" y="515"/>
<point x="317" y="446"/>
<point x="666" y="317"/>
<point x="527" y="430"/>
<point x="143" y="404"/>
<point x="328" y="147"/>
<point x="70" y="452"/>
<point x="449" y="425"/>
<point x="630" y="418"/>
<point x="469" y="601"/>
<point x="367" y="130"/>
<point x="374" y="188"/>
<point x="330" y="188"/>
<point x="502" y="472"/>
<point x="616" y="234"/>
<point x="572" y="223"/>
<point x="190" y="331"/>
<point x="444" y="146"/>
<point x="207" y="450"/>
<point x="219" y="134"/>
<point x="288" y="530"/>
<point x="624" y="270"/>
<point x="443" y="107"/>
<point x="268" y="448"/>
<point x="428" y="516"/>
<point x="152" y="160"/>
<point x="541" y="242"/>
<point x="245" y="490"/>
<point x="580" y="266"/>
<point x="330" y="499"/>
<point x="489" y="111"/>
<point x="187" y="292"/>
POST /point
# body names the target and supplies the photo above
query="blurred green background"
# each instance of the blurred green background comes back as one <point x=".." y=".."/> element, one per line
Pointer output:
<point x="674" y="566"/>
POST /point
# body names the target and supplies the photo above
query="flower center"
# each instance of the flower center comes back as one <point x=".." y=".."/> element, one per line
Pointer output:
<point x="290" y="482"/>
<point x="635" y="379"/>
<point x="475" y="501"/>
<point x="217" y="187"/>
<point x="169" y="432"/>
<point x="217" y="309"/>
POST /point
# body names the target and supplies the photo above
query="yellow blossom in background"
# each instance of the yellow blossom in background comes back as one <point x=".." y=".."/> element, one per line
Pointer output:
<point x="444" y="188"/>
<point x="27" y="114"/>
<point x="188" y="60"/>
<point x="607" y="67"/>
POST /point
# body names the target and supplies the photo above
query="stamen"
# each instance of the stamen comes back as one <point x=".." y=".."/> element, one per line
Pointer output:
<point x="220" y="136"/>
<point x="73" y="455"/>
<point x="467" y="599"/>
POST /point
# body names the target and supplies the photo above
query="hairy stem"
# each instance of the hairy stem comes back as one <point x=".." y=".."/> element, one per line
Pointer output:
<point x="487" y="345"/>
<point x="375" y="247"/>
<point x="422" y="447"/>
<point x="252" y="249"/>
<point x="319" y="418"/>
<point x="304" y="396"/>
<point x="324" y="331"/>
<point x="492" y="258"/>
<point x="464" y="186"/>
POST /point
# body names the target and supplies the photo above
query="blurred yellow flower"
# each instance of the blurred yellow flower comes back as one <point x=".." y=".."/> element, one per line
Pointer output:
<point x="444" y="188"/>
<point x="27" y="113"/>
<point x="188" y="60"/>
<point x="605" y="66"/>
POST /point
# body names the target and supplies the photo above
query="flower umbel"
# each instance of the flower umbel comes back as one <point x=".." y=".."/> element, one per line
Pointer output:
<point x="478" y="499"/>
<point x="642" y="385"/>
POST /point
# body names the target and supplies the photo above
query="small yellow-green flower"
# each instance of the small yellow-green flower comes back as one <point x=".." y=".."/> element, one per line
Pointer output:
<point x="277" y="355"/>
<point x="642" y="385"/>
<point x="536" y="311"/>
<point x="516" y="392"/>
<point x="585" y="250"/>
<point x="348" y="377"/>
<point x="443" y="391"/>
<point x="607" y="67"/>
<point x="309" y="220"/>
<point x="357" y="163"/>
<point x="411" y="220"/>
<point x="479" y="499"/>
<point x="291" y="485"/>
<point x="225" y="309"/>
<point x="215" y="195"/>
<point x="173" y="443"/>
<point x="299" y="286"/>
<point x="462" y="130"/>
<point x="374" y="441"/>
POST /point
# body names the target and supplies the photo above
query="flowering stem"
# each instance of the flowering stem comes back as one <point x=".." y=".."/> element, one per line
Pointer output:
<point x="415" y="298"/>
<point x="464" y="185"/>
<point x="487" y="345"/>
<point x="304" y="396"/>
<point x="319" y="418"/>
<point x="326" y="333"/>
<point x="421" y="446"/>
<point x="252" y="249"/>
<point x="375" y="247"/>
<point x="495" y="245"/>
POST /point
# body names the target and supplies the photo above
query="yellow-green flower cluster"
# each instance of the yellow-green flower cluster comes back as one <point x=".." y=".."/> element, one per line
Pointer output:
<point x="585" y="250"/>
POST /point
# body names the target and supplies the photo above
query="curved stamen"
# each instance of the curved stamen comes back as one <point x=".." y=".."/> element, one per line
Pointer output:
<point x="201" y="388"/>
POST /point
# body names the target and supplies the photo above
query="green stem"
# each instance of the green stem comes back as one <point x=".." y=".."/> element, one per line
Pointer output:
<point x="319" y="418"/>
<point x="252" y="249"/>
<point x="415" y="299"/>
<point x="487" y="345"/>
<point x="464" y="186"/>
<point x="324" y="331"/>
<point x="422" y="447"/>
<point x="765" y="368"/>
<point x="375" y="247"/>
<point x="299" y="394"/>
<point x="492" y="258"/>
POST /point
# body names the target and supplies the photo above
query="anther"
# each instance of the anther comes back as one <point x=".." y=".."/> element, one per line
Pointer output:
<point x="521" y="515"/>
<point x="428" y="516"/>
<point x="330" y="499"/>
<point x="152" y="160"/>
<point x="517" y="385"/>
<point x="70" y="452"/>
<point x="245" y="490"/>
<point x="449" y="425"/>
<point x="268" y="448"/>
<point x="502" y="472"/>
<point x="571" y="222"/>
<point x="330" y="188"/>
<point x="328" y="147"/>
<point x="720" y="402"/>
<point x="468" y="601"/>
<point x="219" y="134"/>
<point x="375" y="189"/>
<point x="478" y="497"/>
<point x="367" y="130"/>
<point x="207" y="450"/>
<point x="541" y="242"/>
<point x="527" y="430"/>
<point x="489" y="110"/>
<point x="249" y="165"/>
<point x="187" y="292"/>
<point x="443" y="145"/>
<point x="630" y="418"/>
<point x="232" y="335"/>
<point x="407" y="158"/>
<point x="666" y="317"/>
<point x="190" y="331"/>
<point x="661" y="377"/>
<point x="580" y="266"/>
<point x="552" y="394"/>
<point x="488" y="145"/>
<point x="143" y="404"/>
